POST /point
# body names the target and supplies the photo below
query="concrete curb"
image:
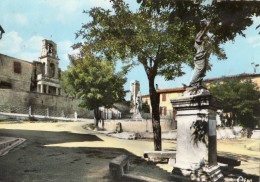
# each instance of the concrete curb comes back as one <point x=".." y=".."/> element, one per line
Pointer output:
<point x="8" y="143"/>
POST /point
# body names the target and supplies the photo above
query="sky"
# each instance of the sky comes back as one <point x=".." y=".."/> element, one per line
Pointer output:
<point x="28" y="22"/>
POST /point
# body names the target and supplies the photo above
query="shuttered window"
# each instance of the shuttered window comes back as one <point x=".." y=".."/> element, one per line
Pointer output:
<point x="163" y="97"/>
<point x="17" y="67"/>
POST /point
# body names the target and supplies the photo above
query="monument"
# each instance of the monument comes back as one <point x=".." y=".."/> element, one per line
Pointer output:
<point x="196" y="150"/>
<point x="136" y="99"/>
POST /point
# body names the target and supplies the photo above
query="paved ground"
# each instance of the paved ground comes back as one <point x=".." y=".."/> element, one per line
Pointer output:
<point x="67" y="152"/>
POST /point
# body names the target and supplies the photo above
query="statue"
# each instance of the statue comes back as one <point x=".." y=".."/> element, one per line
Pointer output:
<point x="138" y="104"/>
<point x="202" y="45"/>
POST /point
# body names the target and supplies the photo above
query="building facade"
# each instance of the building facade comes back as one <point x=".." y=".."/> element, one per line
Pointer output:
<point x="167" y="94"/>
<point x="35" y="85"/>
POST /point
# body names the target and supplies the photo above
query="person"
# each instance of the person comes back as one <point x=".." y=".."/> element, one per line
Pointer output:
<point x="202" y="54"/>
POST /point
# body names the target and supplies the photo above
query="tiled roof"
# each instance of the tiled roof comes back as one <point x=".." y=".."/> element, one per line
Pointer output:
<point x="182" y="89"/>
<point x="244" y="75"/>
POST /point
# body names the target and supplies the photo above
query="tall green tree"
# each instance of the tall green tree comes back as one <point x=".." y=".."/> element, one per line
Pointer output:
<point x="94" y="82"/>
<point x="241" y="97"/>
<point x="140" y="37"/>
<point x="228" y="19"/>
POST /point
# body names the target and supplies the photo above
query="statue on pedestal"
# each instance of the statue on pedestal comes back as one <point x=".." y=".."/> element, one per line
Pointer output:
<point x="202" y="45"/>
<point x="138" y="104"/>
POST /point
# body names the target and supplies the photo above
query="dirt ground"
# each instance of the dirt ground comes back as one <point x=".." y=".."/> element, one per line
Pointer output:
<point x="247" y="150"/>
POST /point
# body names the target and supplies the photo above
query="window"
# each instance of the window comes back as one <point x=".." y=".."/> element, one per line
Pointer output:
<point x="52" y="70"/>
<point x="50" y="48"/>
<point x="17" y="67"/>
<point x="163" y="97"/>
<point x="163" y="111"/>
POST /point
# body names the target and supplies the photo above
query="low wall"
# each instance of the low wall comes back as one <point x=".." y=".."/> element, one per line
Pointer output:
<point x="255" y="134"/>
<point x="229" y="133"/>
<point x="26" y="117"/>
<point x="138" y="126"/>
<point x="57" y="105"/>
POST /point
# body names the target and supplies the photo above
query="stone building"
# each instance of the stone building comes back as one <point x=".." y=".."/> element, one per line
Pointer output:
<point x="48" y="72"/>
<point x="36" y="84"/>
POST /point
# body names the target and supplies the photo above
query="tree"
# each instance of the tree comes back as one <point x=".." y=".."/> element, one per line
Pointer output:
<point x="227" y="19"/>
<point x="94" y="82"/>
<point x="142" y="38"/>
<point x="240" y="97"/>
<point x="145" y="107"/>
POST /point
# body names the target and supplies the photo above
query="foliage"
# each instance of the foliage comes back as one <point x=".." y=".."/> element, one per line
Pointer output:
<point x="241" y="97"/>
<point x="139" y="38"/>
<point x="159" y="36"/>
<point x="145" y="107"/>
<point x="200" y="131"/>
<point x="94" y="82"/>
<point x="228" y="18"/>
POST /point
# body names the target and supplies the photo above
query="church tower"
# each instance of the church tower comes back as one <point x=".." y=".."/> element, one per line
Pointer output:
<point x="48" y="81"/>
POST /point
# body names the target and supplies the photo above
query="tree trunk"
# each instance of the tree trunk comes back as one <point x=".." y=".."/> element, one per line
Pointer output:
<point x="96" y="116"/>
<point x="155" y="103"/>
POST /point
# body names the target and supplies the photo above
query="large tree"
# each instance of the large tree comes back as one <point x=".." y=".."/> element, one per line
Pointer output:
<point x="227" y="19"/>
<point x="94" y="82"/>
<point x="240" y="97"/>
<point x="140" y="37"/>
<point x="159" y="36"/>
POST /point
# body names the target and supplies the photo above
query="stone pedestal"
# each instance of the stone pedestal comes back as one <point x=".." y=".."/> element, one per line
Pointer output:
<point x="196" y="151"/>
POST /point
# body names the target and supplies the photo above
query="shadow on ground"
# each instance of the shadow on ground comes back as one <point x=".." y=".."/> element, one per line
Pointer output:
<point x="48" y="137"/>
<point x="34" y="161"/>
<point x="235" y="173"/>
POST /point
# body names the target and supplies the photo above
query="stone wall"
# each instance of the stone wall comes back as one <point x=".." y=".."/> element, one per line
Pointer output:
<point x="137" y="126"/>
<point x="18" y="81"/>
<point x="40" y="102"/>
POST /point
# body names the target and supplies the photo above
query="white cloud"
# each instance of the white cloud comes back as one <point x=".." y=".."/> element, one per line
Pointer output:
<point x="254" y="41"/>
<point x="18" y="19"/>
<point x="12" y="44"/>
<point x="67" y="9"/>
<point x="64" y="49"/>
<point x="256" y="20"/>
<point x="34" y="43"/>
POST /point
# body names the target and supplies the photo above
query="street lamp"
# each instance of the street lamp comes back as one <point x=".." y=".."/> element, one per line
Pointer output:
<point x="1" y="31"/>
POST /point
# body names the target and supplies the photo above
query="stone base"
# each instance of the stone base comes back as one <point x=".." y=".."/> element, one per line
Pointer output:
<point x="255" y="134"/>
<point x="137" y="116"/>
<point x="205" y="174"/>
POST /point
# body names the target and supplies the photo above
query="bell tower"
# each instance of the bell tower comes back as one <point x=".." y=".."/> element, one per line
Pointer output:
<point x="49" y="59"/>
<point x="48" y="81"/>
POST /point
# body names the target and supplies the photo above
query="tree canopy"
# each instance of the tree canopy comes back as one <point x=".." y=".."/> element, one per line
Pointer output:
<point x="160" y="36"/>
<point x="240" y="97"/>
<point x="139" y="37"/>
<point x="229" y="18"/>
<point x="94" y="82"/>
